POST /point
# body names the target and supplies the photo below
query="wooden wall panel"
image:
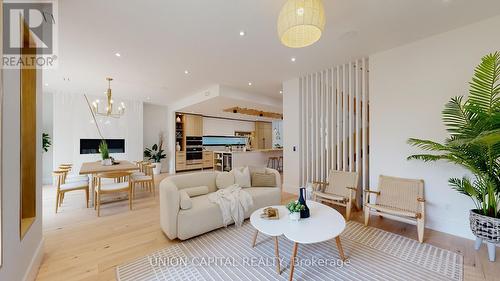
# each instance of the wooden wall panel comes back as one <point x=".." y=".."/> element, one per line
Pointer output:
<point x="28" y="136"/>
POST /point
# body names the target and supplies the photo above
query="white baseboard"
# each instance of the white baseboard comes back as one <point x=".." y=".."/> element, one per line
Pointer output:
<point x="35" y="263"/>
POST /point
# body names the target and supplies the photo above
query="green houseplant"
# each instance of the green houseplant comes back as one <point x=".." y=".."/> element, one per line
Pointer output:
<point x="473" y="124"/>
<point x="294" y="207"/>
<point x="103" y="149"/>
<point x="46" y="142"/>
<point x="156" y="153"/>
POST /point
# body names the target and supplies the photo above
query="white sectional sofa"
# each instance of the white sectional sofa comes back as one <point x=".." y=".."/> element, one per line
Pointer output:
<point x="204" y="216"/>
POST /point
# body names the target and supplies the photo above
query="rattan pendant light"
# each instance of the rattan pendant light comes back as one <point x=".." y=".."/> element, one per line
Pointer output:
<point x="301" y="22"/>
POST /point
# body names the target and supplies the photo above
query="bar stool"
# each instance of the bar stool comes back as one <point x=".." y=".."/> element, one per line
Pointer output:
<point x="280" y="164"/>
<point x="273" y="162"/>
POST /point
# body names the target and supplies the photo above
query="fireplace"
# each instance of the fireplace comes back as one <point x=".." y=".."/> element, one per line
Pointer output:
<point x="91" y="146"/>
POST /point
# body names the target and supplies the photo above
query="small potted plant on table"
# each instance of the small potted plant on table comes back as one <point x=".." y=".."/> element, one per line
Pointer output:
<point x="294" y="207"/>
<point x="103" y="149"/>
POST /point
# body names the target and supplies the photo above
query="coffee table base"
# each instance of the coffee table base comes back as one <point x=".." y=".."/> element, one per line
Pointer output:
<point x="295" y="250"/>
<point x="294" y="253"/>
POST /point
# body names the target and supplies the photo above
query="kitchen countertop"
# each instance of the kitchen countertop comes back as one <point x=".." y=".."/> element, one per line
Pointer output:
<point x="252" y="151"/>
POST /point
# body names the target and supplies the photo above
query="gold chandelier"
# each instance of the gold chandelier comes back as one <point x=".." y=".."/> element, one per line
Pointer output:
<point x="301" y="22"/>
<point x="108" y="112"/>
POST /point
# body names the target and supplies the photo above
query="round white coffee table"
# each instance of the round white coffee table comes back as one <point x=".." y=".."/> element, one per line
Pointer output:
<point x="324" y="224"/>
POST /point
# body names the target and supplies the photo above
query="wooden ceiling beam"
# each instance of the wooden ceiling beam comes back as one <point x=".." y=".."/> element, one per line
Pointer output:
<point x="254" y="112"/>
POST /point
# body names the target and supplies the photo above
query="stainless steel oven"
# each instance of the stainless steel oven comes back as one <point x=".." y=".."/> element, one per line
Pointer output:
<point x="194" y="150"/>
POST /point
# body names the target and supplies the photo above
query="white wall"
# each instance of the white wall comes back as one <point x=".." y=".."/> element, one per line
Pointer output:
<point x="225" y="127"/>
<point x="155" y="122"/>
<point x="291" y="136"/>
<point x="47" y="127"/>
<point x="21" y="258"/>
<point x="73" y="121"/>
<point x="409" y="86"/>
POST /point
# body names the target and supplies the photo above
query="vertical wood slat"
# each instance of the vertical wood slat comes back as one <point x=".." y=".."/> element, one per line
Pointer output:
<point x="339" y="119"/>
<point x="365" y="125"/>
<point x="350" y="114"/>
<point x="333" y="118"/>
<point x="344" y="118"/>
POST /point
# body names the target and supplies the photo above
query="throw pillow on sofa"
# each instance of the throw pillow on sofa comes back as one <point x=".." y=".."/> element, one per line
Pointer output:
<point x="242" y="177"/>
<point x="224" y="179"/>
<point x="196" y="190"/>
<point x="185" y="201"/>
<point x="263" y="180"/>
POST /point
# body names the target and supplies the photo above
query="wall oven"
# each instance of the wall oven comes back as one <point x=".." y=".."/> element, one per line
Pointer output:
<point x="194" y="150"/>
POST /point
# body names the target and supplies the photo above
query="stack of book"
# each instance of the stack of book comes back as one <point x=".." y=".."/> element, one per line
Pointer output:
<point x="270" y="213"/>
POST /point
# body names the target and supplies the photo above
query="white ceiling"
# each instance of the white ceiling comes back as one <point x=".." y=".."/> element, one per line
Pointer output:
<point x="158" y="40"/>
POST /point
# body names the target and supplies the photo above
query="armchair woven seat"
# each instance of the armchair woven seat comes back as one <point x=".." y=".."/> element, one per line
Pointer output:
<point x="340" y="189"/>
<point x="398" y="198"/>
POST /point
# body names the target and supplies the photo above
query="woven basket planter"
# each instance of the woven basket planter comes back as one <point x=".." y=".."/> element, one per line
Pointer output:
<point x="484" y="227"/>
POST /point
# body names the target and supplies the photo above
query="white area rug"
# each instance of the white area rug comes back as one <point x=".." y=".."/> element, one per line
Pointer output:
<point x="226" y="254"/>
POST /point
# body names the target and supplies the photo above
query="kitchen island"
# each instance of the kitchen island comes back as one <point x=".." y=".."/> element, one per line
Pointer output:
<point x="226" y="160"/>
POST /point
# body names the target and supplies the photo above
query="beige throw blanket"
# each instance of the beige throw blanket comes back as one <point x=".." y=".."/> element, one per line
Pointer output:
<point x="233" y="203"/>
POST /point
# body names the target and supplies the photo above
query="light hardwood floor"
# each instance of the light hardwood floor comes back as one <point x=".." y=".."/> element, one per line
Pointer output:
<point x="80" y="246"/>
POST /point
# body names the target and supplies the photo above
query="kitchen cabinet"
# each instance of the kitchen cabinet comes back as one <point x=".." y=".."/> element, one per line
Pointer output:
<point x="193" y="125"/>
<point x="263" y="135"/>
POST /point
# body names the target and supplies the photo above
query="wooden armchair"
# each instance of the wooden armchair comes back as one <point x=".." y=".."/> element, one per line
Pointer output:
<point x="340" y="190"/>
<point x="400" y="199"/>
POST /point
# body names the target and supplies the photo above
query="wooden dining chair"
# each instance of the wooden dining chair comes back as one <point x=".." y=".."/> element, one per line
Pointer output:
<point x="71" y="178"/>
<point x="145" y="181"/>
<point x="121" y="184"/>
<point x="63" y="187"/>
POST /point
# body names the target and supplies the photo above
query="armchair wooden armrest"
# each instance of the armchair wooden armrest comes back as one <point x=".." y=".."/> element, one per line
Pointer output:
<point x="318" y="184"/>
<point x="422" y="200"/>
<point x="371" y="191"/>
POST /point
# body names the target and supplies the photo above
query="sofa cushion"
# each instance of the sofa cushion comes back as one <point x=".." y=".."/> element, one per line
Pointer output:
<point x="185" y="201"/>
<point x="224" y="179"/>
<point x="263" y="180"/>
<point x="242" y="177"/>
<point x="196" y="190"/>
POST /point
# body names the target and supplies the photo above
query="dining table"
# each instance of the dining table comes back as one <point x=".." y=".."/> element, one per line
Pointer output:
<point x="93" y="168"/>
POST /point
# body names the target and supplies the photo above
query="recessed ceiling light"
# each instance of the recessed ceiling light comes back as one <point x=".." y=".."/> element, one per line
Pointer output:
<point x="281" y="92"/>
<point x="249" y="83"/>
<point x="186" y="71"/>
<point x="242" y="33"/>
<point x="293" y="59"/>
<point x="46" y="84"/>
<point x="118" y="54"/>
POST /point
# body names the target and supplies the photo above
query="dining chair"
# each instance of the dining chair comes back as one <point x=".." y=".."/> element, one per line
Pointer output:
<point x="121" y="184"/>
<point x="140" y="172"/>
<point x="340" y="190"/>
<point x="400" y="199"/>
<point x="146" y="181"/>
<point x="62" y="187"/>
<point x="71" y="178"/>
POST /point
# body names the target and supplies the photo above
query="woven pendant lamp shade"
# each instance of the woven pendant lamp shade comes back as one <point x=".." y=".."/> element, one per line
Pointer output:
<point x="301" y="22"/>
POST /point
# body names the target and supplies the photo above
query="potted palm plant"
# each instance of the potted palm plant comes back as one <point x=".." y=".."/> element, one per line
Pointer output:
<point x="474" y="143"/>
<point x="156" y="153"/>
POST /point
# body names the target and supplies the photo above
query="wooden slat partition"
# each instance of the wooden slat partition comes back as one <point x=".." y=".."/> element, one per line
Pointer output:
<point x="334" y="106"/>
